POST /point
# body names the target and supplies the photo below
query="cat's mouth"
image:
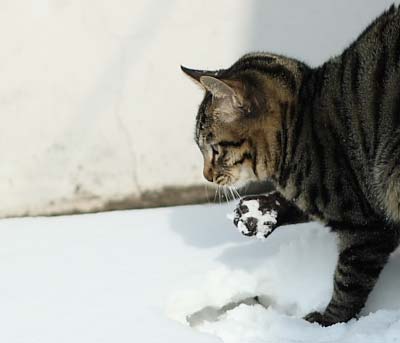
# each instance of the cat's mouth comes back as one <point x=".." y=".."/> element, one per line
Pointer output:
<point x="230" y="182"/>
<point x="236" y="178"/>
<point x="224" y="180"/>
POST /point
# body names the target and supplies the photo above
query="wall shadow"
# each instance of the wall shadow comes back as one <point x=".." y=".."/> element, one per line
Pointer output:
<point x="206" y="227"/>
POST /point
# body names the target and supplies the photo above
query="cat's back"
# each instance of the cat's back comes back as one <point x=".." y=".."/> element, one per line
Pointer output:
<point x="365" y="86"/>
<point x="365" y="102"/>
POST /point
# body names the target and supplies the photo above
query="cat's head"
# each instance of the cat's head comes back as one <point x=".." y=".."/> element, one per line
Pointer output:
<point x="238" y="125"/>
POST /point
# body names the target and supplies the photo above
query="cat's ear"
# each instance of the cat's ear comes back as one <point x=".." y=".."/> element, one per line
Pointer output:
<point x="195" y="75"/>
<point x="229" y="91"/>
<point x="216" y="87"/>
<point x="208" y="80"/>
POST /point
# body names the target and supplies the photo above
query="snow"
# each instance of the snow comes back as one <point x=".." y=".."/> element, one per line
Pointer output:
<point x="138" y="276"/>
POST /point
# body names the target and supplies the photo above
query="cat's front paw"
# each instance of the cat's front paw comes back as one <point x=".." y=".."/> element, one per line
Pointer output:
<point x="317" y="317"/>
<point x="253" y="219"/>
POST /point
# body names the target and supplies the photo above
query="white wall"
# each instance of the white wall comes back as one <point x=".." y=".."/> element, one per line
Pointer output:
<point x="93" y="104"/>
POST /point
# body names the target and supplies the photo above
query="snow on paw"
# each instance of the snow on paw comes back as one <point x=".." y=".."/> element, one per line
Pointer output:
<point x="253" y="220"/>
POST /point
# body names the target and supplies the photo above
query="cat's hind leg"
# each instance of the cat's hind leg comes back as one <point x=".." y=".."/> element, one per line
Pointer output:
<point x="363" y="252"/>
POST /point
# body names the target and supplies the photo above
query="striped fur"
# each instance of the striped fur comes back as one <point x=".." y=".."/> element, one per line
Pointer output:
<point x="327" y="137"/>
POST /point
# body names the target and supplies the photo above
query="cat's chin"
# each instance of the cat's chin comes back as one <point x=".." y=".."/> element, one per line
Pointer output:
<point x="246" y="176"/>
<point x="239" y="183"/>
<point x="242" y="182"/>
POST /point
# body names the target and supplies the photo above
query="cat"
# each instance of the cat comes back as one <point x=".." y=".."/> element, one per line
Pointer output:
<point x="328" y="138"/>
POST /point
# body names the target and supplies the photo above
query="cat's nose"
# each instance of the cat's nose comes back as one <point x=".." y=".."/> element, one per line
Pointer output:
<point x="208" y="173"/>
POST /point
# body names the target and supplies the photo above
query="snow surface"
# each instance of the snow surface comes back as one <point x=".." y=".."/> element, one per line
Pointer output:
<point x="136" y="276"/>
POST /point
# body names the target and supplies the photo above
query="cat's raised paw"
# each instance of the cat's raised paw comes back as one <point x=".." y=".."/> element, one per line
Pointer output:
<point x="252" y="219"/>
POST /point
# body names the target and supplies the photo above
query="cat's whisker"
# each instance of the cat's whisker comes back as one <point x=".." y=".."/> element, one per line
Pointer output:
<point x="233" y="194"/>
<point x="215" y="195"/>
<point x="206" y="192"/>
<point x="236" y="192"/>
<point x="223" y="191"/>
<point x="227" y="193"/>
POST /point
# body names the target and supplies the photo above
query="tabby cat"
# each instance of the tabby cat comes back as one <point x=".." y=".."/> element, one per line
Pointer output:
<point x="329" y="140"/>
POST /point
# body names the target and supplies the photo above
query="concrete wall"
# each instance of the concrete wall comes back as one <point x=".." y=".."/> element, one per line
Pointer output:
<point x="95" y="111"/>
